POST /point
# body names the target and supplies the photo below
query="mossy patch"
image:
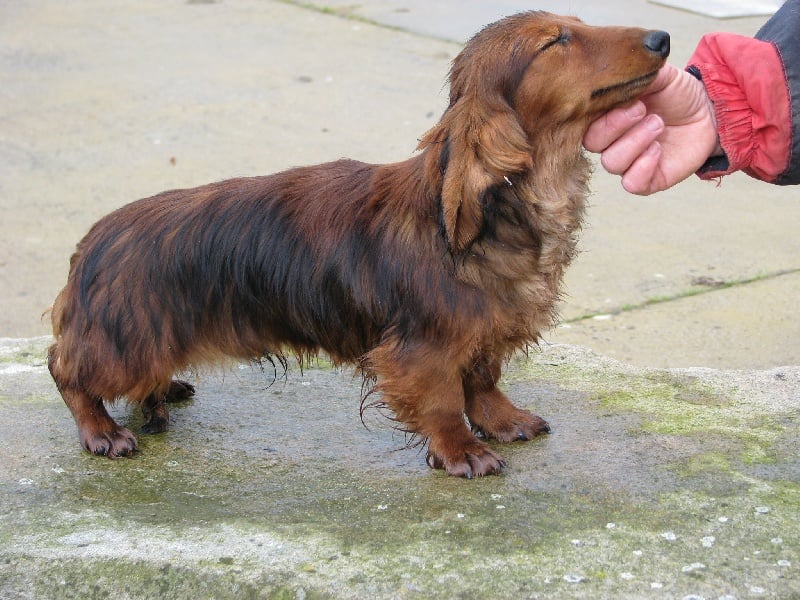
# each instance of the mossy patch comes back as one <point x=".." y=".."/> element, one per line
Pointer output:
<point x="677" y="404"/>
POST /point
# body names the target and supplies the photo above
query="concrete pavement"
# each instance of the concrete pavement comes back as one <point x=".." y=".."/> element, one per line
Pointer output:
<point x="663" y="483"/>
<point x="96" y="114"/>
<point x="654" y="484"/>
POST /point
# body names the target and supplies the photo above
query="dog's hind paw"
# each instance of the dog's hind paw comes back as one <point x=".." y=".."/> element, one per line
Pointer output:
<point x="155" y="424"/>
<point x="178" y="391"/>
<point x="113" y="444"/>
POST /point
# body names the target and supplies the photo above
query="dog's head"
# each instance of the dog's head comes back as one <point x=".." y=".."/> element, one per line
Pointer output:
<point x="526" y="78"/>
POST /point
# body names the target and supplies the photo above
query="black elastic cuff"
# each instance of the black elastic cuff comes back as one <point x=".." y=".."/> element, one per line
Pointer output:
<point x="715" y="164"/>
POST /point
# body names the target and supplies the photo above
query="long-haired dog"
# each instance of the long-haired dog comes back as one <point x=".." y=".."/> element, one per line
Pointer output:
<point x="427" y="274"/>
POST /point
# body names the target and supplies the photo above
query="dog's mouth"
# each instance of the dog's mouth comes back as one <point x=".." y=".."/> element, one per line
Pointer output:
<point x="628" y="86"/>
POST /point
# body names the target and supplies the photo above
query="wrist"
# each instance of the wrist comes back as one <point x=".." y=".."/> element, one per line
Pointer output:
<point x="716" y="150"/>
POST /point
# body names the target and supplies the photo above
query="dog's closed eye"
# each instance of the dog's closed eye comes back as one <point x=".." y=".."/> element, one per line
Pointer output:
<point x="562" y="38"/>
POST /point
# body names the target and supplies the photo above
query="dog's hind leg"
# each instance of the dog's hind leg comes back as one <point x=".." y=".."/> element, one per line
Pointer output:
<point x="156" y="413"/>
<point x="98" y="432"/>
<point x="489" y="410"/>
<point x="154" y="407"/>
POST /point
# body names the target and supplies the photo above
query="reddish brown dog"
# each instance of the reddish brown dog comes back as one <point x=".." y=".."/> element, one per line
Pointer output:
<point x="427" y="274"/>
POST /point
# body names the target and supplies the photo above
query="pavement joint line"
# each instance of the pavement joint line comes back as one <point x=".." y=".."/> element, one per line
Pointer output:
<point x="698" y="290"/>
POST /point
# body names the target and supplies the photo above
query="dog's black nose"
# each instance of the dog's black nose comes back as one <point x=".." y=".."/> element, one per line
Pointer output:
<point x="657" y="42"/>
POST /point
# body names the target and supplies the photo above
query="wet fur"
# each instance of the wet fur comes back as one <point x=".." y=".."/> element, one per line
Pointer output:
<point x="427" y="274"/>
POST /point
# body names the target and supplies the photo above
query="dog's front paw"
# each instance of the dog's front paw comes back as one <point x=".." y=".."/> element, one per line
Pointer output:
<point x="114" y="443"/>
<point x="493" y="415"/>
<point x="519" y="425"/>
<point x="469" y="460"/>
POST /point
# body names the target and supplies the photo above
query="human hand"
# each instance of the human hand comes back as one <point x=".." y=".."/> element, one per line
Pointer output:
<point x="662" y="138"/>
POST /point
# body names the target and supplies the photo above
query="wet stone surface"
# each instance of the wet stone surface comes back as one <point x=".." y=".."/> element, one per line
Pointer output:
<point x="663" y="484"/>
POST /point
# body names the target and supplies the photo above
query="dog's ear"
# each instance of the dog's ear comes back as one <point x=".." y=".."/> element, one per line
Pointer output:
<point x="480" y="143"/>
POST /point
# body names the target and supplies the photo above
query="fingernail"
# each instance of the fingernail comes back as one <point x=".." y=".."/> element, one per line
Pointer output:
<point x="654" y="122"/>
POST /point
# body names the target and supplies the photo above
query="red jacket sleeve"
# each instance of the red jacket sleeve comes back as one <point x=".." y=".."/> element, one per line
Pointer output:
<point x="746" y="82"/>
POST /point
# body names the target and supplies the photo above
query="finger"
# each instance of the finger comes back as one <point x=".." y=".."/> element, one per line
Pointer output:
<point x="604" y="130"/>
<point x="642" y="176"/>
<point x="620" y="155"/>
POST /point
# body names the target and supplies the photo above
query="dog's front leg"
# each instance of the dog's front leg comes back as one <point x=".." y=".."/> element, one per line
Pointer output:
<point x="489" y="410"/>
<point x="423" y="386"/>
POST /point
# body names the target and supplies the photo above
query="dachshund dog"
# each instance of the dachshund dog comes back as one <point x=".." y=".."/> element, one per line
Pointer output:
<point x="426" y="274"/>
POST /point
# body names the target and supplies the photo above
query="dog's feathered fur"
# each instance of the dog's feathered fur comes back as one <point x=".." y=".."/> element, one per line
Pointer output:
<point x="427" y="273"/>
